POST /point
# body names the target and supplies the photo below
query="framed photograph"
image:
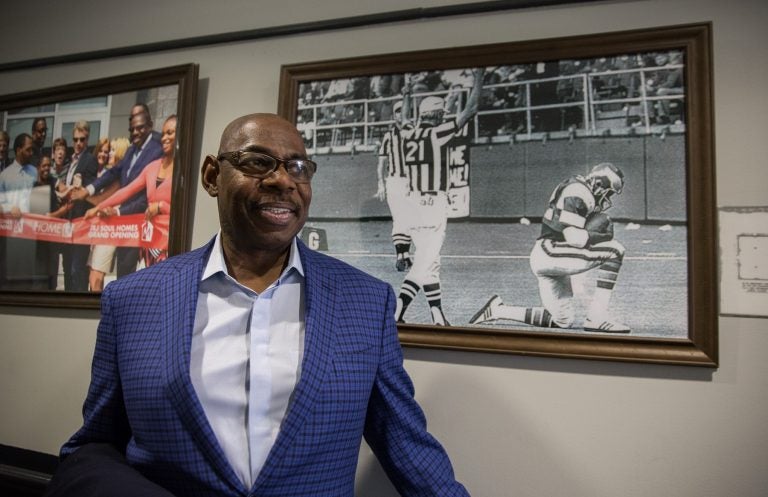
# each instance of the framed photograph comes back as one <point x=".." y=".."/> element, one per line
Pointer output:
<point x="744" y="261"/>
<point x="550" y="197"/>
<point x="92" y="183"/>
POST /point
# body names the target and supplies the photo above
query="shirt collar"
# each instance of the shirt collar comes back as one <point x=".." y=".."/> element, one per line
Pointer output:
<point x="138" y="150"/>
<point x="216" y="264"/>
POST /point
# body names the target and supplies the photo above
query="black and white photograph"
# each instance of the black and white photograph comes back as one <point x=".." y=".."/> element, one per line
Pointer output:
<point x="535" y="195"/>
<point x="87" y="184"/>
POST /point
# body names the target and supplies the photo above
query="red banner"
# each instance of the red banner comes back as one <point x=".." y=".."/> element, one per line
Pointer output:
<point x="121" y="231"/>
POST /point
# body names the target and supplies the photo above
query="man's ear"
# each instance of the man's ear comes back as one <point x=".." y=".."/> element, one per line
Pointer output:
<point x="209" y="174"/>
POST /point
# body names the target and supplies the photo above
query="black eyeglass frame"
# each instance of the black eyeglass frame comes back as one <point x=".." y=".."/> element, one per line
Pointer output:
<point x="235" y="156"/>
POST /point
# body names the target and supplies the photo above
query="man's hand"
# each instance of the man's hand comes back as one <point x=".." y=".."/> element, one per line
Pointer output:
<point x="153" y="209"/>
<point x="103" y="212"/>
<point x="15" y="212"/>
<point x="107" y="212"/>
<point x="78" y="193"/>
<point x="381" y="192"/>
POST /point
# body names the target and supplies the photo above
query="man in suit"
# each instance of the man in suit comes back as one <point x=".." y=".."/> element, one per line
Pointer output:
<point x="81" y="173"/>
<point x="142" y="151"/>
<point x="253" y="365"/>
<point x="138" y="108"/>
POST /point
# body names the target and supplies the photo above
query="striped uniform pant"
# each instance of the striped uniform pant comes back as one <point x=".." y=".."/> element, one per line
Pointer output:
<point x="555" y="262"/>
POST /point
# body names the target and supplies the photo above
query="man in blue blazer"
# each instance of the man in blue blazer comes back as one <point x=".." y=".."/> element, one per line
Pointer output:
<point x="143" y="150"/>
<point x="252" y="366"/>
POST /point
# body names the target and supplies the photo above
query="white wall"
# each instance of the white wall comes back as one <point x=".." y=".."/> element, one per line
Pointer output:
<point x="513" y="425"/>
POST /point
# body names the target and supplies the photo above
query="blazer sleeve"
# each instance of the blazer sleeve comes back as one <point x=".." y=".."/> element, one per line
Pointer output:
<point x="93" y="460"/>
<point x="104" y="416"/>
<point x="396" y="428"/>
<point x="112" y="174"/>
<point x="90" y="170"/>
<point x="131" y="189"/>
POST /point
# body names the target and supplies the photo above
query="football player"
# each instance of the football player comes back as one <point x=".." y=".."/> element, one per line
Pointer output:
<point x="576" y="236"/>
<point x="428" y="184"/>
<point x="393" y="185"/>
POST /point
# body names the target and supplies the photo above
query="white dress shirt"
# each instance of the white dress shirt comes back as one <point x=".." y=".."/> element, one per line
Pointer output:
<point x="246" y="358"/>
<point x="16" y="183"/>
<point x="136" y="154"/>
<point x="71" y="171"/>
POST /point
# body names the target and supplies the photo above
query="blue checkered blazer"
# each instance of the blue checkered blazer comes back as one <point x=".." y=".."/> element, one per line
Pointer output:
<point x="352" y="384"/>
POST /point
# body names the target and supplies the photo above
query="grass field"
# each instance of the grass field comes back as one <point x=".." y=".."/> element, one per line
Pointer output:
<point x="481" y="259"/>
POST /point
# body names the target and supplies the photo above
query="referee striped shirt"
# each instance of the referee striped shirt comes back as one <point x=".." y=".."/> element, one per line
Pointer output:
<point x="423" y="156"/>
<point x="391" y="147"/>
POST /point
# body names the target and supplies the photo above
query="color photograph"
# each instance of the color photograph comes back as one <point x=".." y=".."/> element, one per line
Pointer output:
<point x="87" y="184"/>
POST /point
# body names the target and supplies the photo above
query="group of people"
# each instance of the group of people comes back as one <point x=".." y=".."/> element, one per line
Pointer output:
<point x="114" y="177"/>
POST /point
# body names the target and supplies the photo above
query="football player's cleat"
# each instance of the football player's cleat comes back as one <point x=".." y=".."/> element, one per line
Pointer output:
<point x="438" y="317"/>
<point x="605" y="326"/>
<point x="486" y="313"/>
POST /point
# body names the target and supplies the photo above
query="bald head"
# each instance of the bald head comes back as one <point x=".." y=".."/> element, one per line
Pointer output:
<point x="259" y="214"/>
<point x="261" y="131"/>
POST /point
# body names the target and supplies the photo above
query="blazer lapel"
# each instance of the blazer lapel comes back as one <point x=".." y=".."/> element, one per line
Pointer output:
<point x="317" y="361"/>
<point x="179" y="307"/>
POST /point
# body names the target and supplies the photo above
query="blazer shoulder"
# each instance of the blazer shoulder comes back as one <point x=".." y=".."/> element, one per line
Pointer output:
<point x="156" y="277"/>
<point x="88" y="160"/>
<point x="154" y="148"/>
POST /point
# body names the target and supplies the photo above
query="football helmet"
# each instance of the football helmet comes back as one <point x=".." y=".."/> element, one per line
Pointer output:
<point x="605" y="180"/>
<point x="431" y="110"/>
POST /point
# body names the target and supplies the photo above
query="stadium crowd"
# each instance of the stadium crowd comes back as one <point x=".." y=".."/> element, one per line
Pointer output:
<point x="625" y="91"/>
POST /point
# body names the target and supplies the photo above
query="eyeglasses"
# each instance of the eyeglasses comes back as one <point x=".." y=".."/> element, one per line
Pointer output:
<point x="260" y="165"/>
<point x="79" y="139"/>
